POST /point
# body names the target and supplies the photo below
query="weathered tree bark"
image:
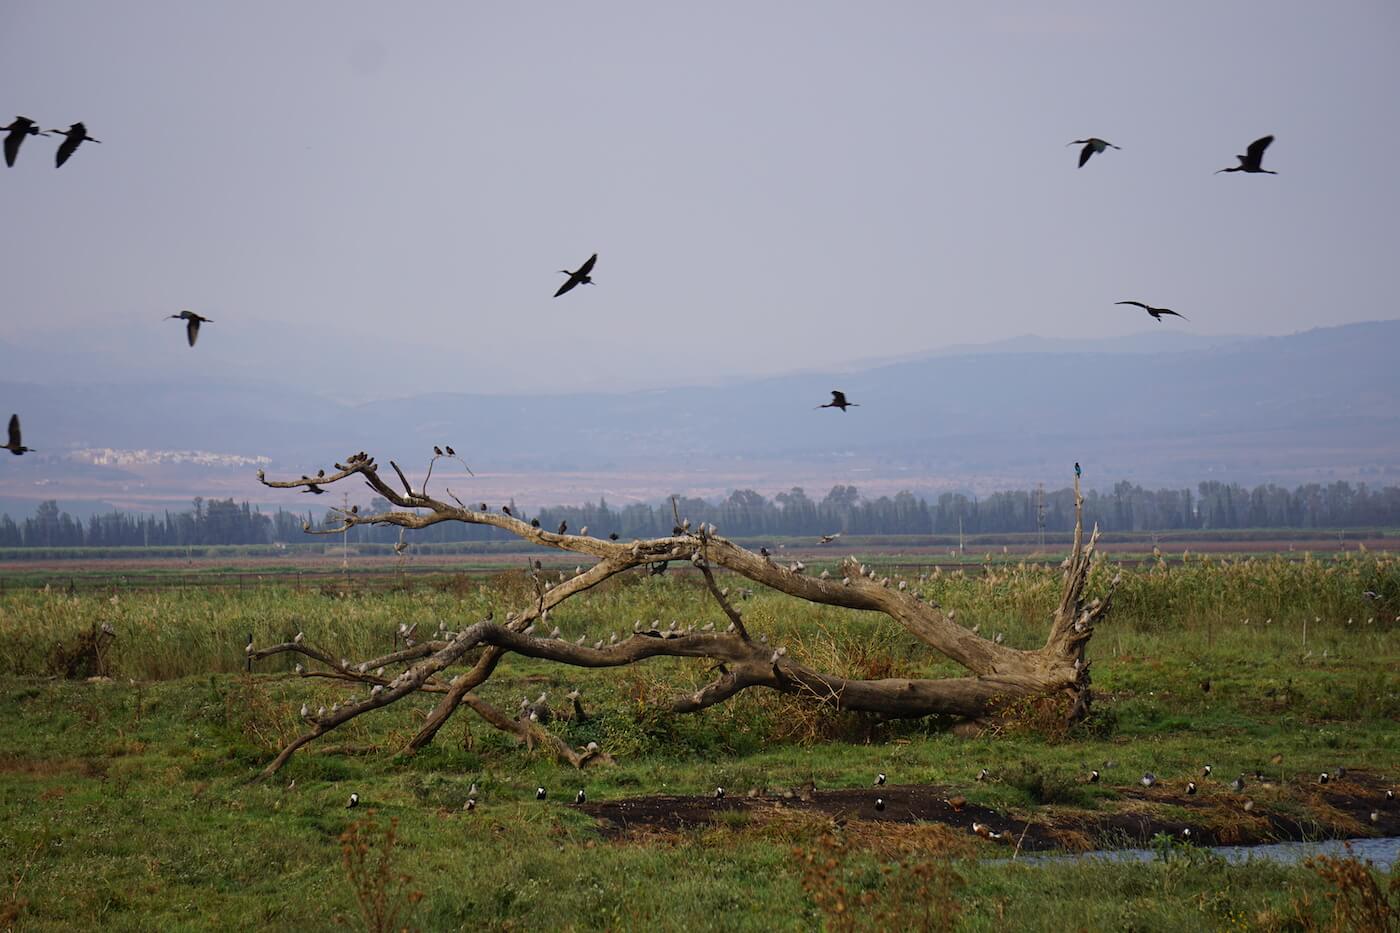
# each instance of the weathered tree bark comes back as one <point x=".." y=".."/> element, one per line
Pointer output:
<point x="1000" y="675"/>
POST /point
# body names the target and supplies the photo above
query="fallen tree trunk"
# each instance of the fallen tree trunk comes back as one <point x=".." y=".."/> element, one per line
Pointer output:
<point x="1000" y="675"/>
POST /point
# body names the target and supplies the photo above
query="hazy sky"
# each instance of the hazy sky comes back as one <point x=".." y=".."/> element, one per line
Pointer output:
<point x="770" y="186"/>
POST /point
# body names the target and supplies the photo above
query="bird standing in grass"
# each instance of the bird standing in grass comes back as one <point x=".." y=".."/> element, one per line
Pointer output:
<point x="1253" y="158"/>
<point x="581" y="276"/>
<point x="1155" y="312"/>
<point x="353" y="802"/>
<point x="880" y="779"/>
<point x="76" y="136"/>
<point x="838" y="400"/>
<point x="1092" y="147"/>
<point x="14" y="444"/>
<point x="192" y="326"/>
<point x="540" y="793"/>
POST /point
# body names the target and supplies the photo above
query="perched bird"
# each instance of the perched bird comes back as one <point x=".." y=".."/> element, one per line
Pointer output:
<point x="16" y="131"/>
<point x="1148" y="779"/>
<point x="1092" y="147"/>
<point x="838" y="400"/>
<point x="14" y="445"/>
<point x="580" y="797"/>
<point x="579" y="277"/>
<point x="563" y="527"/>
<point x="539" y="793"/>
<point x="880" y="804"/>
<point x="437" y="451"/>
<point x="534" y="523"/>
<point x="77" y="135"/>
<point x="506" y="509"/>
<point x="880" y="779"/>
<point x="1155" y="312"/>
<point x="1077" y="471"/>
<point x="1190" y="788"/>
<point x="612" y="536"/>
<point x="1253" y="158"/>
<point x="192" y="327"/>
<point x="353" y="802"/>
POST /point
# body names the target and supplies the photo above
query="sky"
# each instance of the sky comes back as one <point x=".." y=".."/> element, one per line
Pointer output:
<point x="770" y="187"/>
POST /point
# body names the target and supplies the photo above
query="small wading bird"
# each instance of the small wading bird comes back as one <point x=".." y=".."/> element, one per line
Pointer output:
<point x="77" y="135"/>
<point x="1092" y="147"/>
<point x="1155" y="312"/>
<point x="579" y="277"/>
<point x="192" y="327"/>
<point x="13" y="445"/>
<point x="353" y="802"/>
<point x="838" y="400"/>
<point x="17" y="130"/>
<point x="1253" y="158"/>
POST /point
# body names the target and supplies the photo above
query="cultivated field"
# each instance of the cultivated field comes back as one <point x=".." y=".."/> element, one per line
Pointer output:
<point x="128" y="799"/>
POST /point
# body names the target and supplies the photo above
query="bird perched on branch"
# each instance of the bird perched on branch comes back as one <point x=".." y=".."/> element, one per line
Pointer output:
<point x="1253" y="158"/>
<point x="1092" y="147"/>
<point x="77" y="135"/>
<point x="1155" y="312"/>
<point x="838" y="400"/>
<point x="14" y="444"/>
<point x="192" y="327"/>
<point x="19" y="128"/>
<point x="579" y="277"/>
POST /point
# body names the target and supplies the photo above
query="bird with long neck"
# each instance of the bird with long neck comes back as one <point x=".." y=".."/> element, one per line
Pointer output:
<point x="1155" y="312"/>
<point x="581" y="276"/>
<point x="1253" y="158"/>
<point x="191" y="328"/>
<point x="19" y="128"/>
<point x="838" y="400"/>
<point x="1092" y="147"/>
<point x="14" y="445"/>
<point x="76" y="136"/>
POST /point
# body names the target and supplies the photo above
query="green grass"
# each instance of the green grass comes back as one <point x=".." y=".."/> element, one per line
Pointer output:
<point x="129" y="803"/>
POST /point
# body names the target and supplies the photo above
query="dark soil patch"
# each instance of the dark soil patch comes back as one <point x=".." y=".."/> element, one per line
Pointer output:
<point x="1216" y="816"/>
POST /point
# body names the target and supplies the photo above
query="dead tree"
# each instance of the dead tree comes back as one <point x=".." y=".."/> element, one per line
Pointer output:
<point x="454" y="664"/>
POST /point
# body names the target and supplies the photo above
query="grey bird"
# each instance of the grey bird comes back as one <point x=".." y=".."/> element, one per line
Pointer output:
<point x="581" y="276"/>
<point x="192" y="327"/>
<point x="77" y="135"/>
<point x="1155" y="312"/>
<point x="14" y="445"/>
<point x="16" y="131"/>
<point x="1253" y="158"/>
<point x="1092" y="147"/>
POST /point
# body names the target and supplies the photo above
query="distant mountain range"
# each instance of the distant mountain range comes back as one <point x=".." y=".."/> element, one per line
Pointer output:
<point x="1323" y="403"/>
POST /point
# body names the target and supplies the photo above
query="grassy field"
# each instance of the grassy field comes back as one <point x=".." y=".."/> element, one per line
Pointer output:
<point x="129" y="801"/>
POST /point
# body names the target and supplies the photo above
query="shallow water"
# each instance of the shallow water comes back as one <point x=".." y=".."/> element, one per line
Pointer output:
<point x="1382" y="852"/>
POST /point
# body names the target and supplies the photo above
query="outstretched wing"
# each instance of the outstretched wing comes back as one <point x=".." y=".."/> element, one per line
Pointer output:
<point x="1173" y="313"/>
<point x="573" y="280"/>
<point x="192" y="329"/>
<point x="67" y="148"/>
<point x="1255" y="152"/>
<point x="12" y="142"/>
<point x="587" y="267"/>
<point x="14" y="433"/>
<point x="1138" y="303"/>
<point x="1085" y="153"/>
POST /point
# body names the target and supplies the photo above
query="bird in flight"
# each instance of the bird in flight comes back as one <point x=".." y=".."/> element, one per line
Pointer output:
<point x="77" y="135"/>
<point x="1253" y="158"/>
<point x="838" y="400"/>
<point x="17" y="130"/>
<point x="192" y="328"/>
<point x="14" y="445"/>
<point x="1155" y="312"/>
<point x="827" y="539"/>
<point x="580" y="277"/>
<point x="1092" y="146"/>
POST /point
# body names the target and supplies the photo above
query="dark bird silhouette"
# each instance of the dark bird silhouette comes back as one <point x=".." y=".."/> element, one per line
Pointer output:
<point x="1092" y="146"/>
<point x="540" y="793"/>
<point x="1253" y="158"/>
<point x="438" y="450"/>
<point x="451" y="452"/>
<point x="838" y="400"/>
<point x="1077" y="470"/>
<point x="14" y="445"/>
<point x="827" y="539"/>
<point x="1093" y="777"/>
<point x="563" y="527"/>
<point x="192" y="327"/>
<point x="77" y="135"/>
<point x="17" y="130"/>
<point x="1155" y="312"/>
<point x="534" y="523"/>
<point x="612" y="536"/>
<point x="506" y="509"/>
<point x="580" y="277"/>
<point x="312" y="487"/>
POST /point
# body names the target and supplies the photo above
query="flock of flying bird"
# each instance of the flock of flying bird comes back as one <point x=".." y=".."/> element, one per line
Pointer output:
<point x="21" y="127"/>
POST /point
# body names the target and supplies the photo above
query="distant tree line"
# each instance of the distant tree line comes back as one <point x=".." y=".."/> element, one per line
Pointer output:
<point x="746" y="513"/>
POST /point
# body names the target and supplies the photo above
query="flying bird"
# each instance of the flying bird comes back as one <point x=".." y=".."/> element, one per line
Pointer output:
<point x="192" y="327"/>
<point x="77" y="135"/>
<point x="1155" y="312"/>
<point x="14" y="445"/>
<point x="1092" y="147"/>
<point x="838" y="400"/>
<point x="1253" y="158"/>
<point x="827" y="539"/>
<point x="17" y="130"/>
<point x="579" y="277"/>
